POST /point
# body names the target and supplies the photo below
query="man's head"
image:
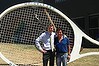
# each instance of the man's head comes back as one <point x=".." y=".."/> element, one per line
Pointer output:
<point x="50" y="28"/>
<point x="59" y="32"/>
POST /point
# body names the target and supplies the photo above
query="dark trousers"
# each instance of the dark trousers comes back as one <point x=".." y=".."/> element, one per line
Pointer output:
<point x="48" y="56"/>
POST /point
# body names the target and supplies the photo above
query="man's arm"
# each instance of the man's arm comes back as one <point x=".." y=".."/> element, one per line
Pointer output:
<point x="37" y="43"/>
<point x="69" y="49"/>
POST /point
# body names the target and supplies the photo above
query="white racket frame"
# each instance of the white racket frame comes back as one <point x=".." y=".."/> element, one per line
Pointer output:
<point x="78" y="34"/>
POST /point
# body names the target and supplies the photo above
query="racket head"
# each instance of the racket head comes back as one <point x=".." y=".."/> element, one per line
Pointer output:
<point x="22" y="24"/>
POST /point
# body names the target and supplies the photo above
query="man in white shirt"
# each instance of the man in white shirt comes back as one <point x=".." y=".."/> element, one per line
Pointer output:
<point x="47" y="38"/>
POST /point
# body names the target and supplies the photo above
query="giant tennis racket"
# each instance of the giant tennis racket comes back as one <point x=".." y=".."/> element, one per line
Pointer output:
<point x="21" y="24"/>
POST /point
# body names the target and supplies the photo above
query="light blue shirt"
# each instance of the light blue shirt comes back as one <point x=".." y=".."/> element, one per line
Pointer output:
<point x="45" y="39"/>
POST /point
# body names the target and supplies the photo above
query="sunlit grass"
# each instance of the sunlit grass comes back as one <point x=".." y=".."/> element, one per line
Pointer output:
<point x="88" y="60"/>
<point x="21" y="53"/>
<point x="28" y="54"/>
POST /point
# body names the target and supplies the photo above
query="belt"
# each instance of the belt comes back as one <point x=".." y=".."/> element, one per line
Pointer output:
<point x="62" y="52"/>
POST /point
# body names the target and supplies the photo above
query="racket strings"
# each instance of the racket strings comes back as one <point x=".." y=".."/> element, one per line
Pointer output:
<point x="22" y="26"/>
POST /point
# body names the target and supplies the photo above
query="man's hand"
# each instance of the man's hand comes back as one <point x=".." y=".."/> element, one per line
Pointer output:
<point x="68" y="58"/>
<point x="43" y="51"/>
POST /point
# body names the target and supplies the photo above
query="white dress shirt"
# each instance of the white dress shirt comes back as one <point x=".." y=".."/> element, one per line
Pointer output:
<point x="45" y="39"/>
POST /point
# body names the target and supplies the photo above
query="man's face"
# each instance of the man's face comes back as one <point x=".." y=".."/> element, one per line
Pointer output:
<point x="60" y="33"/>
<point x="50" y="28"/>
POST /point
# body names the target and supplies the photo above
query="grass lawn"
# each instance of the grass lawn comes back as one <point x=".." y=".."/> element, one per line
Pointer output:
<point x="21" y="54"/>
<point x="88" y="60"/>
<point x="28" y="54"/>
